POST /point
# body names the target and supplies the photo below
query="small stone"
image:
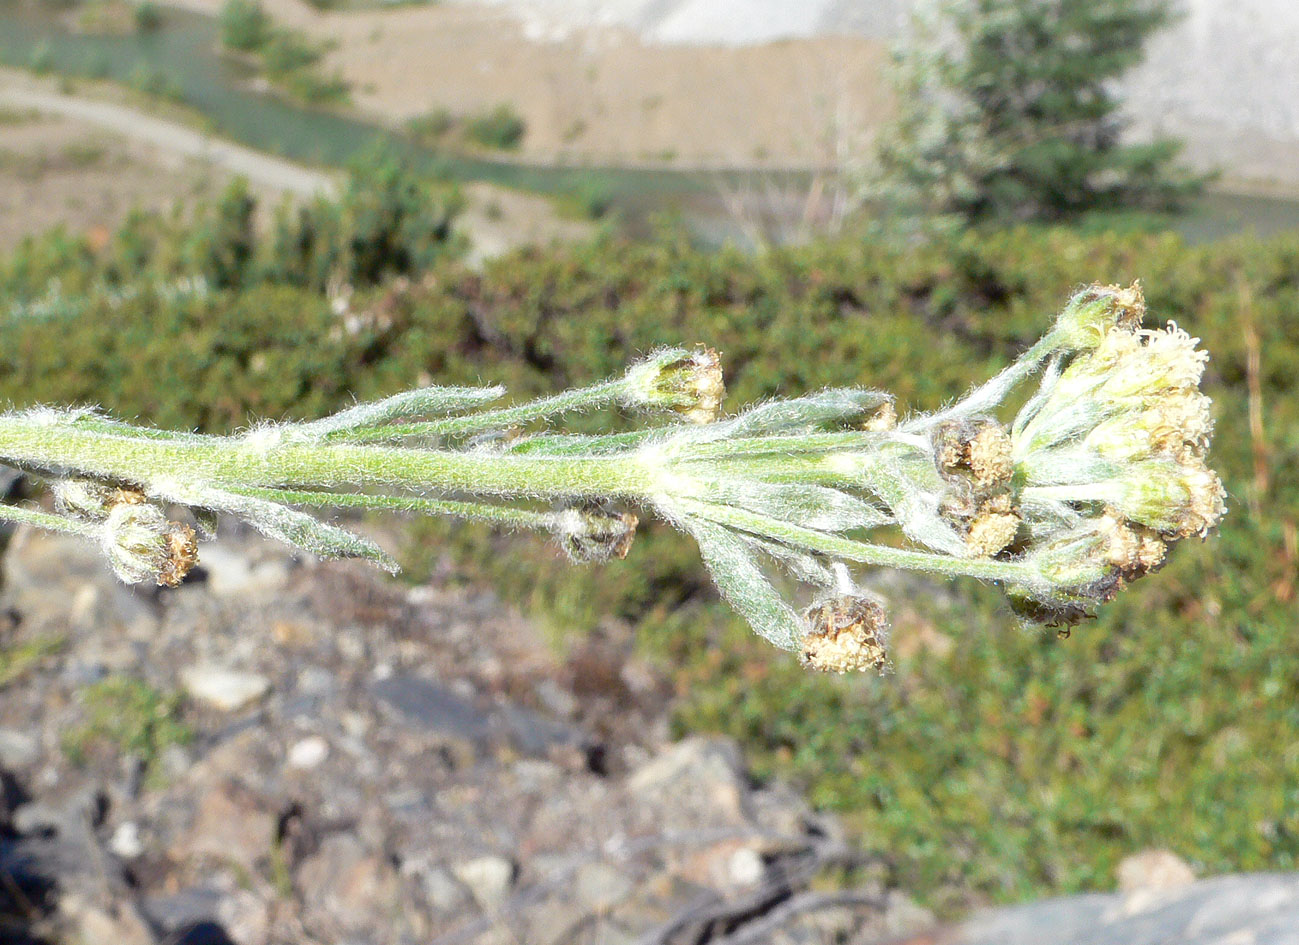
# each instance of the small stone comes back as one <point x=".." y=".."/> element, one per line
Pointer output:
<point x="599" y="887"/>
<point x="745" y="868"/>
<point x="246" y="917"/>
<point x="126" y="841"/>
<point x="696" y="778"/>
<point x="35" y="816"/>
<point x="18" y="749"/>
<point x="488" y="878"/>
<point x="231" y="572"/>
<point x="358" y="888"/>
<point x="225" y="689"/>
<point x="556" y="699"/>
<point x="308" y="753"/>
<point x="443" y="892"/>
<point x="904" y="916"/>
<point x="232" y="825"/>
<point x="1153" y="870"/>
<point x="92" y="922"/>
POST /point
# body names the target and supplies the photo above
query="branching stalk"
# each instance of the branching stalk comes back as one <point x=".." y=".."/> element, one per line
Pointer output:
<point x="1086" y="490"/>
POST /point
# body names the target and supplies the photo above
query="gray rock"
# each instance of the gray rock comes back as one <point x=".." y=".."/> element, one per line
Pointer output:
<point x="232" y="571"/>
<point x="178" y="911"/>
<point x="1258" y="909"/>
<point x="700" y="777"/>
<point x="18" y="749"/>
<point x="442" y="891"/>
<point x="358" y="889"/>
<point x="432" y="707"/>
<point x="488" y="879"/>
<point x="225" y="689"/>
<point x="599" y="887"/>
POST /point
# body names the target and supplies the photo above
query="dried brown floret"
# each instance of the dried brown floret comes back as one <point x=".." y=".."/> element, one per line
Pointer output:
<point x="845" y="633"/>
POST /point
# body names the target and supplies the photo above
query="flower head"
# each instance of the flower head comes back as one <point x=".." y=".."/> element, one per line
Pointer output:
<point x="689" y="382"/>
<point x="142" y="545"/>
<point x="845" y="633"/>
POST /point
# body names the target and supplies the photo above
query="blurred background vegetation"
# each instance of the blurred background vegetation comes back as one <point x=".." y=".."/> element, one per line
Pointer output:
<point x="995" y="763"/>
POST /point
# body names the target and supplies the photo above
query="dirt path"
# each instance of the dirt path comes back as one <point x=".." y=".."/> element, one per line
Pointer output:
<point x="19" y="92"/>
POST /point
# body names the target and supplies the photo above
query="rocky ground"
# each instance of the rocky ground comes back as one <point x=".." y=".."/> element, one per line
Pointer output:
<point x="291" y="751"/>
<point x="294" y="751"/>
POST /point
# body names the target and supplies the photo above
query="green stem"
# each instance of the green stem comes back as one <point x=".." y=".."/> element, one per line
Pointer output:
<point x="991" y="393"/>
<point x="850" y="550"/>
<point x="495" y="514"/>
<point x="23" y="516"/>
<point x="228" y="462"/>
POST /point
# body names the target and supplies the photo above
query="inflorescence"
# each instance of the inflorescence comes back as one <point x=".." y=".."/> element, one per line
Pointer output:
<point x="1084" y="490"/>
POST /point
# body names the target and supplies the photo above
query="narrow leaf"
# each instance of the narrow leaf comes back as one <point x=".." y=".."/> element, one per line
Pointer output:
<point x="298" y="528"/>
<point x="743" y="584"/>
<point x="412" y="404"/>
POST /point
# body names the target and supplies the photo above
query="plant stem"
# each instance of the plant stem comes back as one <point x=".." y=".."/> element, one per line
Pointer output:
<point x="496" y="514"/>
<point x="23" y="516"/>
<point x="848" y="549"/>
<point x="247" y="461"/>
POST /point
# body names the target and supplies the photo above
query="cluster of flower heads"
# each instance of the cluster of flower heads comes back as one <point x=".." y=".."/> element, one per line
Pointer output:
<point x="1110" y="455"/>
<point x="1083" y="491"/>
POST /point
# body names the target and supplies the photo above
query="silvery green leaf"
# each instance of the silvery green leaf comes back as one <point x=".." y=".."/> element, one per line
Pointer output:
<point x="1068" y="465"/>
<point x="298" y="528"/>
<point x="820" y="412"/>
<point x="743" y="584"/>
<point x="410" y="405"/>
<point x="811" y="506"/>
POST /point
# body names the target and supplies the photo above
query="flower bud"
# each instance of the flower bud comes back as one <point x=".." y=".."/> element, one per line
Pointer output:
<point x="845" y="633"/>
<point x="1177" y="425"/>
<point x="142" y="545"/>
<point x="993" y="527"/>
<point x="91" y="500"/>
<point x="1178" y="500"/>
<point x="594" y="532"/>
<point x="977" y="448"/>
<point x="689" y="382"/>
<point x="1093" y="312"/>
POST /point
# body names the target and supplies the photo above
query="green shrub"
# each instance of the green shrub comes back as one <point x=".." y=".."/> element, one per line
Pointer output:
<point x="433" y="126"/>
<point x="146" y="15"/>
<point x="127" y="716"/>
<point x="284" y="53"/>
<point x="245" y="26"/>
<point x="1009" y="111"/>
<point x="500" y="129"/>
<point x="42" y="58"/>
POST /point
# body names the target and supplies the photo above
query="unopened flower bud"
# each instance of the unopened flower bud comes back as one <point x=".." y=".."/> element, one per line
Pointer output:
<point x="595" y="532"/>
<point x="687" y="382"/>
<point x="1176" y="499"/>
<point x="91" y="500"/>
<point x="142" y="545"/>
<point x="1177" y="425"/>
<point x="1093" y="312"/>
<point x="845" y="633"/>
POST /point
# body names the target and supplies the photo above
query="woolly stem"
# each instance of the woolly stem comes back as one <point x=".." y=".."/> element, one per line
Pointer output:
<point x="249" y="461"/>
<point x="850" y="550"/>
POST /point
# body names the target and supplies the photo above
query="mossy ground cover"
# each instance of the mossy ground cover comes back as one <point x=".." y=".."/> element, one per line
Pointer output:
<point x="996" y="763"/>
